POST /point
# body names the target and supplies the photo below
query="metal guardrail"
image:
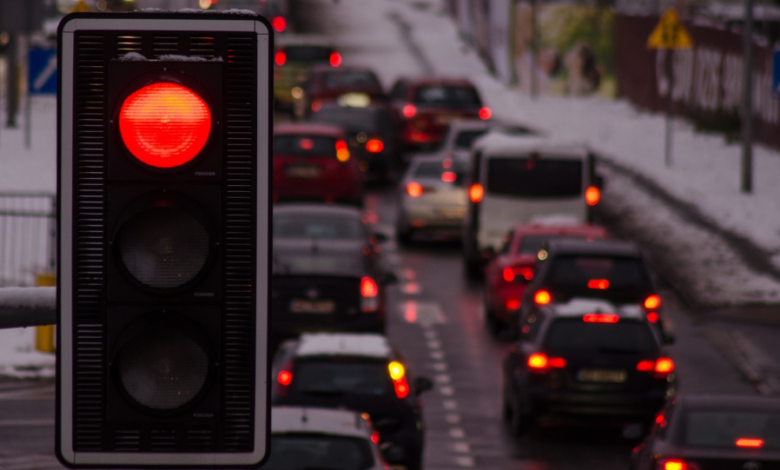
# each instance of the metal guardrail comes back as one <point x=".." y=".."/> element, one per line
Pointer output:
<point x="27" y="237"/>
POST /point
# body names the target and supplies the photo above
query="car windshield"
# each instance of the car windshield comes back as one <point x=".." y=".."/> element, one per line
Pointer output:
<point x="308" y="54"/>
<point x="574" y="334"/>
<point x="350" y="79"/>
<point x="317" y="226"/>
<point x="304" y="145"/>
<point x="434" y="170"/>
<point x="598" y="275"/>
<point x="449" y="96"/>
<point x="342" y="375"/>
<point x="725" y="429"/>
<point x="321" y="451"/>
<point x="464" y="139"/>
<point x="535" y="177"/>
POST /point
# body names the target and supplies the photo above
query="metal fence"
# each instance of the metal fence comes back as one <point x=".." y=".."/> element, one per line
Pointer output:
<point x="27" y="237"/>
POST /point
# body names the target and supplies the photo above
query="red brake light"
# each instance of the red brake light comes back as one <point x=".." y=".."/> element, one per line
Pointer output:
<point x="414" y="189"/>
<point x="279" y="23"/>
<point x="374" y="146"/>
<point x="601" y="318"/>
<point x="449" y="176"/>
<point x="749" y="442"/>
<point x="284" y="377"/>
<point x="485" y="113"/>
<point x="592" y="195"/>
<point x="537" y="361"/>
<point x="375" y="437"/>
<point x="542" y="297"/>
<point x="409" y="110"/>
<point x="280" y="58"/>
<point x="652" y="302"/>
<point x="342" y="152"/>
<point x="645" y="366"/>
<point x="509" y="274"/>
<point x="368" y="287"/>
<point x="513" y="304"/>
<point x="664" y="366"/>
<point x="165" y="125"/>
<point x="600" y="284"/>
<point x="652" y="317"/>
<point x="476" y="191"/>
<point x="306" y="144"/>
<point x="557" y="362"/>
<point x="335" y="59"/>
<point x="675" y="465"/>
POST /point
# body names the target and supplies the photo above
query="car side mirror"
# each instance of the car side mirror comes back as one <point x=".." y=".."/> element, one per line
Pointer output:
<point x="422" y="384"/>
<point x="389" y="278"/>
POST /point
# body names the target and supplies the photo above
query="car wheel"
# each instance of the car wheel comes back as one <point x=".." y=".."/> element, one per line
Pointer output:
<point x="473" y="268"/>
<point x="519" y="422"/>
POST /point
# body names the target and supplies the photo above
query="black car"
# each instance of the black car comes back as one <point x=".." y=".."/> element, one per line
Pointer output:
<point x="360" y="372"/>
<point x="587" y="360"/>
<point x="612" y="270"/>
<point x="713" y="432"/>
<point x="371" y="134"/>
<point x="327" y="273"/>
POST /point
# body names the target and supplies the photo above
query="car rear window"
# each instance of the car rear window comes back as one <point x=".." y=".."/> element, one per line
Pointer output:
<point x="531" y="244"/>
<point x="305" y="145"/>
<point x="308" y="54"/>
<point x="313" y="226"/>
<point x="534" y="177"/>
<point x="464" y="139"/>
<point x="351" y="119"/>
<point x="342" y="376"/>
<point x="724" y="428"/>
<point x="350" y="79"/>
<point x="598" y="275"/>
<point x="449" y="96"/>
<point x="308" y="451"/>
<point x="625" y="336"/>
<point x="434" y="170"/>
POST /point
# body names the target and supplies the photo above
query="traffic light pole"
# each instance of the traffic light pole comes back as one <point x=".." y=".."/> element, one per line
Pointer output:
<point x="747" y="101"/>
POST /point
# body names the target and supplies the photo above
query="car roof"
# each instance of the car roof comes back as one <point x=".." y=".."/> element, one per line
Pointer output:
<point x="509" y="144"/>
<point x="573" y="246"/>
<point x="580" y="306"/>
<point x="431" y="81"/>
<point x="554" y="229"/>
<point x="296" y="419"/>
<point x="343" y="344"/>
<point x="293" y="208"/>
<point x="325" y="130"/>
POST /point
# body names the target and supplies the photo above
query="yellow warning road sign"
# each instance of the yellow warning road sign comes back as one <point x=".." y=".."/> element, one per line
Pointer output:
<point x="670" y="33"/>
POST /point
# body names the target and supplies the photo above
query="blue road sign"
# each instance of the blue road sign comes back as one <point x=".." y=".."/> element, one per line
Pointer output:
<point x="42" y="72"/>
<point x="776" y="74"/>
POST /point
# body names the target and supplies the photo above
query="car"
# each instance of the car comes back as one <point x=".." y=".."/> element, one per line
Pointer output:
<point x="432" y="199"/>
<point x="464" y="132"/>
<point x="508" y="273"/>
<point x="361" y="372"/>
<point x="370" y="135"/>
<point x="612" y="270"/>
<point x="306" y="438"/>
<point x="587" y="360"/>
<point x="313" y="162"/>
<point x="513" y="179"/>
<point x="327" y="272"/>
<point x="293" y="61"/>
<point x="425" y="107"/>
<point x="698" y="432"/>
<point x="346" y="86"/>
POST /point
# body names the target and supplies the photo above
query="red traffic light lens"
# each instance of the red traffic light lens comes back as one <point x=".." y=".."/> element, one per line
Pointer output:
<point x="164" y="125"/>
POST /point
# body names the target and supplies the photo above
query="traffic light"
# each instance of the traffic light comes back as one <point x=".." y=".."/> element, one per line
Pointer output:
<point x="164" y="214"/>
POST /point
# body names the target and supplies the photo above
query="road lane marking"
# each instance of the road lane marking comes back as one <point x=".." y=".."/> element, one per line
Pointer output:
<point x="424" y="313"/>
<point x="434" y="344"/>
<point x="443" y="378"/>
<point x="465" y="461"/>
<point x="457" y="433"/>
<point x="410" y="288"/>
<point x="447" y="391"/>
<point x="452" y="418"/>
<point x="450" y="405"/>
<point x="410" y="274"/>
<point x="439" y="366"/>
<point x="461" y="447"/>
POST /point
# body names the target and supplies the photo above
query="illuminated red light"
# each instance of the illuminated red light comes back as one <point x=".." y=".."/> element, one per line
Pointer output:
<point x="447" y="163"/>
<point x="749" y="442"/>
<point x="664" y="366"/>
<point x="513" y="304"/>
<point x="316" y="105"/>
<point x="508" y="274"/>
<point x="601" y="318"/>
<point x="375" y="437"/>
<point x="449" y="176"/>
<point x="374" y="146"/>
<point x="557" y="362"/>
<point x="537" y="361"/>
<point x="476" y="191"/>
<point x="280" y="58"/>
<point x="600" y="284"/>
<point x="279" y="23"/>
<point x="401" y="388"/>
<point x="306" y="144"/>
<point x="675" y="465"/>
<point x="485" y="113"/>
<point x="284" y="377"/>
<point x="335" y="59"/>
<point x="592" y="195"/>
<point x="652" y="302"/>
<point x="368" y="287"/>
<point x="542" y="297"/>
<point x="164" y="125"/>
<point x="414" y="189"/>
<point x="659" y="418"/>
<point x="409" y="110"/>
<point x="645" y="366"/>
<point x="652" y="317"/>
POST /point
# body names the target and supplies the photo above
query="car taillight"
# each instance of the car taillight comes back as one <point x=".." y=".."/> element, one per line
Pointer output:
<point x="485" y="113"/>
<point x="652" y="302"/>
<point x="539" y="362"/>
<point x="449" y="176"/>
<point x="398" y="375"/>
<point x="374" y="146"/>
<point x="335" y="59"/>
<point x="592" y="195"/>
<point x="369" y="295"/>
<point x="522" y="274"/>
<point x="342" y="152"/>
<point x="375" y="437"/>
<point x="409" y="110"/>
<point x="542" y="297"/>
<point x="598" y="284"/>
<point x="476" y="191"/>
<point x="316" y="105"/>
<point x="284" y="379"/>
<point x="661" y="367"/>
<point x="279" y="24"/>
<point x="749" y="442"/>
<point x="164" y="124"/>
<point x="512" y="304"/>
<point x="280" y="58"/>
<point x="414" y="189"/>
<point x="652" y="317"/>
<point x="601" y="318"/>
<point x="676" y="464"/>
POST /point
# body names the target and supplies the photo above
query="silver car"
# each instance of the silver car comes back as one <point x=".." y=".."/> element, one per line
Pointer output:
<point x="462" y="133"/>
<point x="432" y="198"/>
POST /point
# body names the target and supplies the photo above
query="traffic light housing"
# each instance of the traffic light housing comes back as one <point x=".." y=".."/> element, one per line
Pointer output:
<point x="164" y="214"/>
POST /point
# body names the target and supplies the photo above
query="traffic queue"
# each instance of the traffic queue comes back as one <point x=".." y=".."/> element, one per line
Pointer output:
<point x="583" y="309"/>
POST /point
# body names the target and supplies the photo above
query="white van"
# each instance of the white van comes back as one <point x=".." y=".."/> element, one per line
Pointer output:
<point x="516" y="179"/>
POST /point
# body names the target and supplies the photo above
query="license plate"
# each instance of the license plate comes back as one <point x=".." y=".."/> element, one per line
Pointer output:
<point x="451" y="213"/>
<point x="312" y="306"/>
<point x="300" y="171"/>
<point x="446" y="118"/>
<point x="602" y="375"/>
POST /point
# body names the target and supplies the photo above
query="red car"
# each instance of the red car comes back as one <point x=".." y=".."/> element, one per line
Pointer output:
<point x="508" y="273"/>
<point x="347" y="86"/>
<point x="425" y="107"/>
<point x="314" y="162"/>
